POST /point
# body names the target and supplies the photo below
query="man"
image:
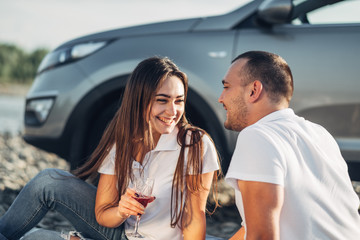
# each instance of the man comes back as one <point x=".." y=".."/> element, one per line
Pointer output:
<point x="290" y="179"/>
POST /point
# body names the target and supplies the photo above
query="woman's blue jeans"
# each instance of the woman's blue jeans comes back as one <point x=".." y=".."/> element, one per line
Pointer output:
<point x="56" y="190"/>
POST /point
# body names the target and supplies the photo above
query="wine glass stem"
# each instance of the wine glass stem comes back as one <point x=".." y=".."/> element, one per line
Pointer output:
<point x="137" y="223"/>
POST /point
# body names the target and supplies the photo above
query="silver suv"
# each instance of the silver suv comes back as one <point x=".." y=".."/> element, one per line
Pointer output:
<point x="79" y="84"/>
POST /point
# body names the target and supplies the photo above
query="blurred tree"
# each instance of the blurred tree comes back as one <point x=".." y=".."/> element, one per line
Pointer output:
<point x="9" y="56"/>
<point x="18" y="66"/>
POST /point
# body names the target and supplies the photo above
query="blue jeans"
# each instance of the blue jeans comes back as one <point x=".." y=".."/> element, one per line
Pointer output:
<point x="61" y="191"/>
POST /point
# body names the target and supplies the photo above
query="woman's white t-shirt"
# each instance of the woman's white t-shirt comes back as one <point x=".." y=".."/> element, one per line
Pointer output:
<point x="160" y="164"/>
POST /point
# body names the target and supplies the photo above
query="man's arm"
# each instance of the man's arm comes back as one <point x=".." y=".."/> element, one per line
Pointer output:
<point x="239" y="235"/>
<point x="262" y="207"/>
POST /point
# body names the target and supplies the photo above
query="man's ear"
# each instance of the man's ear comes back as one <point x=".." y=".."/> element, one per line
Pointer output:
<point x="255" y="91"/>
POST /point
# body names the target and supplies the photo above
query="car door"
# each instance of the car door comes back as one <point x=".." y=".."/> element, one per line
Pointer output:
<point x="322" y="48"/>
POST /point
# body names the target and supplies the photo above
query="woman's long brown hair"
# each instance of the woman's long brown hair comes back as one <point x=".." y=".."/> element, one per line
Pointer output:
<point x="130" y="131"/>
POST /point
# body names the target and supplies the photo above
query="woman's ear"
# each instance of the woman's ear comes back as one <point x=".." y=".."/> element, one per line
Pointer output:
<point x="255" y="91"/>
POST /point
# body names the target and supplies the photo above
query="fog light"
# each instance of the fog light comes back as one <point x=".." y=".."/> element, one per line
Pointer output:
<point x="37" y="111"/>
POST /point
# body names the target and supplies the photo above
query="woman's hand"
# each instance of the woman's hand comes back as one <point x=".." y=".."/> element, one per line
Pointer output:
<point x="109" y="211"/>
<point x="128" y="205"/>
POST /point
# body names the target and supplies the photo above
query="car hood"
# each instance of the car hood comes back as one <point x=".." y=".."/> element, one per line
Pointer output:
<point x="147" y="29"/>
<point x="221" y="22"/>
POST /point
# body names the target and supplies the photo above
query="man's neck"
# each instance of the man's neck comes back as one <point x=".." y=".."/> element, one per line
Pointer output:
<point x="262" y="110"/>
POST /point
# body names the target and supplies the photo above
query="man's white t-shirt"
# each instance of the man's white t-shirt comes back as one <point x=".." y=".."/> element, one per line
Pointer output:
<point x="284" y="149"/>
<point x="160" y="164"/>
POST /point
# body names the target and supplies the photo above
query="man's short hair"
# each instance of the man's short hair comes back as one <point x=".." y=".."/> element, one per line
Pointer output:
<point x="273" y="72"/>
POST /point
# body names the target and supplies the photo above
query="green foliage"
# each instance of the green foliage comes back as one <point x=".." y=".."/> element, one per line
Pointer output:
<point x="18" y="66"/>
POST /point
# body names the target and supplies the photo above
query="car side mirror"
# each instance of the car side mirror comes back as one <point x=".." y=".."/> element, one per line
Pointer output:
<point x="275" y="11"/>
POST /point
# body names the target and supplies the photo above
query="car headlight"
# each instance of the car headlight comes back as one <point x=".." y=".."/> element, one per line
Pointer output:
<point x="37" y="111"/>
<point x="69" y="54"/>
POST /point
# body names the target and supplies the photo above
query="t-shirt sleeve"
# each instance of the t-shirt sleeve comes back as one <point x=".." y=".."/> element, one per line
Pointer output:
<point x="210" y="162"/>
<point x="256" y="158"/>
<point x="108" y="165"/>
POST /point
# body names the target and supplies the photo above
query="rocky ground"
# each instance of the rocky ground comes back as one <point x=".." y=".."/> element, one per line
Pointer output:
<point x="19" y="162"/>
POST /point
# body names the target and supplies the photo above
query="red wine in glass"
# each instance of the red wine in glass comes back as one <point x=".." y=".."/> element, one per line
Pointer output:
<point x="144" y="200"/>
<point x="143" y="195"/>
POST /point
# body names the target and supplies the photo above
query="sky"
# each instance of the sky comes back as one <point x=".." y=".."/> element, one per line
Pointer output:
<point x="32" y="24"/>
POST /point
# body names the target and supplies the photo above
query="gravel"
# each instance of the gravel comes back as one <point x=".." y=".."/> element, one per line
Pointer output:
<point x="20" y="162"/>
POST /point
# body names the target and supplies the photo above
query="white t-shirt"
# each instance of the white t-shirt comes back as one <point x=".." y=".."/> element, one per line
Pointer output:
<point x="284" y="149"/>
<point x="160" y="164"/>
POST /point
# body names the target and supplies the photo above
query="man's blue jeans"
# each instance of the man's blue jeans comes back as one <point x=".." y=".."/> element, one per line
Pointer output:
<point x="61" y="191"/>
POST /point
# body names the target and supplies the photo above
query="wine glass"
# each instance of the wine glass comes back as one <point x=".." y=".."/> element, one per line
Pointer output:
<point x="143" y="191"/>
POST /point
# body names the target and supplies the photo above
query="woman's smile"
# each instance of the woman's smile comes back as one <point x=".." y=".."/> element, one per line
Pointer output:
<point x="167" y="121"/>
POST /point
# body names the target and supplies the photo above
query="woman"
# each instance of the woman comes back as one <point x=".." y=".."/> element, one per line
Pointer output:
<point x="149" y="136"/>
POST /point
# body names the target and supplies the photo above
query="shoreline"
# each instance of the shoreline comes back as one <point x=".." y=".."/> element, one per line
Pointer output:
<point x="14" y="89"/>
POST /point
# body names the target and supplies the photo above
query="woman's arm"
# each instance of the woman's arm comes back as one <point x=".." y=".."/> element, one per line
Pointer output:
<point x="196" y="227"/>
<point x="109" y="212"/>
